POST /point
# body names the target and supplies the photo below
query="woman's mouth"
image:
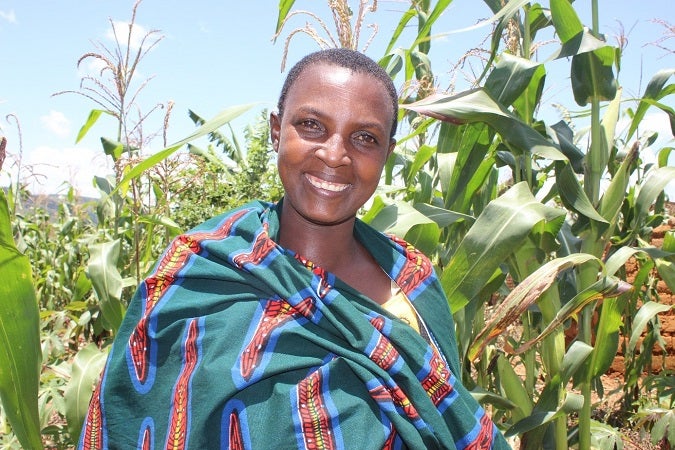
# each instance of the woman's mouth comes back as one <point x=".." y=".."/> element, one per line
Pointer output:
<point x="326" y="185"/>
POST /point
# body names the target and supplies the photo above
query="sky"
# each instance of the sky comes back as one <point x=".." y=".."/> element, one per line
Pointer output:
<point x="218" y="54"/>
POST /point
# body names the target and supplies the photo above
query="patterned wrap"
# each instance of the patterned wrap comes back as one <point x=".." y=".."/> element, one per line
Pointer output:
<point x="236" y="343"/>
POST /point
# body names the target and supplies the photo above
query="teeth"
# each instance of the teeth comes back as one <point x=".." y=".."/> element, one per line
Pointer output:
<point x="321" y="184"/>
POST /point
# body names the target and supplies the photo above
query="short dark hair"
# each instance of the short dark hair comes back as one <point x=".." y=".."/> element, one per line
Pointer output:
<point x="349" y="59"/>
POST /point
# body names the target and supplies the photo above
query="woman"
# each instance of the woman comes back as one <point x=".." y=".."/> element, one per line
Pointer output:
<point x="295" y="325"/>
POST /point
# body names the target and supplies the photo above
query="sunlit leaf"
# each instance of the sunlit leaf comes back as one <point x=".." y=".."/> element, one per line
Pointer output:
<point x="216" y="122"/>
<point x="162" y="220"/>
<point x="647" y="312"/>
<point x="654" y="91"/>
<point x="605" y="437"/>
<point x="573" y="402"/>
<point x="501" y="227"/>
<point x="441" y="216"/>
<point x="86" y="369"/>
<point x="284" y="8"/>
<point x="565" y="19"/>
<point x="582" y="42"/>
<point x="656" y="181"/>
<point x="607" y="335"/>
<point x="112" y="148"/>
<point x="477" y="106"/>
<point x="514" y="390"/>
<point x="20" y="354"/>
<point x="107" y="282"/>
<point x="510" y="77"/>
<point x="573" y="195"/>
<point x="94" y="115"/>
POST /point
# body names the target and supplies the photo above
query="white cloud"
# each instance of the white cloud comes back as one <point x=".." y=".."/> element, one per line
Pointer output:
<point x="57" y="123"/>
<point x="92" y="68"/>
<point x="122" y="31"/>
<point x="49" y="170"/>
<point x="8" y="16"/>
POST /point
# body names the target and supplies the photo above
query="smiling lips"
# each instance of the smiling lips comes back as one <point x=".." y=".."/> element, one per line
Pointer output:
<point x="326" y="185"/>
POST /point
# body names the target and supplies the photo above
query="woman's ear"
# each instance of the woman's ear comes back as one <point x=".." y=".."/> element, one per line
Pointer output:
<point x="392" y="146"/>
<point x="275" y="130"/>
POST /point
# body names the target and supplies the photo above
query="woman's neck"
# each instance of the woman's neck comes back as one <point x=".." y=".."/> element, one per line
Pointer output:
<point x="329" y="246"/>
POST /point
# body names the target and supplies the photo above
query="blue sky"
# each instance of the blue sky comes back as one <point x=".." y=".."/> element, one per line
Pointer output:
<point x="217" y="54"/>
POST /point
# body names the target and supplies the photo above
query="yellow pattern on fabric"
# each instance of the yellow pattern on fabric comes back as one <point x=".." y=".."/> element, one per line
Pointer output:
<point x="400" y="306"/>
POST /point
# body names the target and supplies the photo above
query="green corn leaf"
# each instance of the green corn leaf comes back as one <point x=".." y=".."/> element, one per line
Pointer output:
<point x="112" y="148"/>
<point x="605" y="437"/>
<point x="510" y="78"/>
<point x="654" y="91"/>
<point x="565" y="20"/>
<point x="582" y="42"/>
<point x="422" y="156"/>
<point x="284" y="8"/>
<point x="656" y="181"/>
<point x="442" y="216"/>
<point x="573" y="195"/>
<point x="618" y="259"/>
<point x="20" y="354"/>
<point x="162" y="220"/>
<point x="477" y="106"/>
<point x="573" y="402"/>
<point x="423" y="38"/>
<point x="86" y="369"/>
<point x="502" y="226"/>
<point x="646" y="313"/>
<point x="107" y="282"/>
<point x="592" y="75"/>
<point x="513" y="389"/>
<point x="211" y="125"/>
<point x="563" y="135"/>
<point x="540" y="18"/>
<point x="94" y="115"/>
<point x="390" y="51"/>
<point x="402" y="220"/>
<point x="607" y="335"/>
<point x="572" y="361"/>
<point x="615" y="194"/>
<point x="666" y="271"/>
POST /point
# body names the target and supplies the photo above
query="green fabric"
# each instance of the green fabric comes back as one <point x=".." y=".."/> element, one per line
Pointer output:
<point x="235" y="342"/>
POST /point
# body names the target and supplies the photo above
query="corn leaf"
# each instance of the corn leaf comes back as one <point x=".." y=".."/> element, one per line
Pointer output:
<point x="604" y="288"/>
<point x="522" y="297"/>
<point x="107" y="282"/>
<point x="646" y="313"/>
<point x="94" y="115"/>
<point x="213" y="124"/>
<point x="502" y="226"/>
<point x="654" y="91"/>
<point x="20" y="354"/>
<point x="86" y="369"/>
<point x="475" y="106"/>
<point x="284" y="8"/>
<point x="565" y="20"/>
<point x="513" y="389"/>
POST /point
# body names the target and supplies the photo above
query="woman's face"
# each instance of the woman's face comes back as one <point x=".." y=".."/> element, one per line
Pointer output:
<point x="332" y="142"/>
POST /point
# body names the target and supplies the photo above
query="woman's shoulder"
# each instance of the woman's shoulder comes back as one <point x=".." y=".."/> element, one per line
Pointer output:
<point x="253" y="206"/>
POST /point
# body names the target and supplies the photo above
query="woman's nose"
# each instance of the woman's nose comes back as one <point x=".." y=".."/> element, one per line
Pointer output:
<point x="333" y="152"/>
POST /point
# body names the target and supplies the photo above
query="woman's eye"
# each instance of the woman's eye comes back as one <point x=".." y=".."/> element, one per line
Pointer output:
<point x="365" y="138"/>
<point x="310" y="124"/>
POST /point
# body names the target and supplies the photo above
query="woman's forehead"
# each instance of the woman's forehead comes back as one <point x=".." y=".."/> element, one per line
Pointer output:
<point x="330" y="79"/>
